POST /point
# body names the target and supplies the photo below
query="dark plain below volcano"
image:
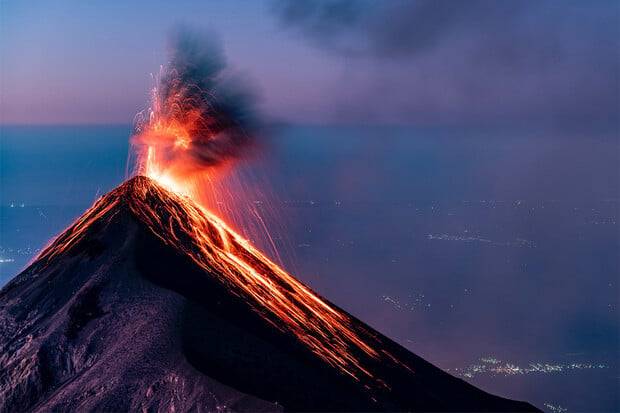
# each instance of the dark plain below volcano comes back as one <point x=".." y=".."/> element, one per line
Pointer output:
<point x="130" y="309"/>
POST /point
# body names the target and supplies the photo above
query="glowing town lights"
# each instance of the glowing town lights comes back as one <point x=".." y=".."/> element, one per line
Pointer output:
<point x="495" y="367"/>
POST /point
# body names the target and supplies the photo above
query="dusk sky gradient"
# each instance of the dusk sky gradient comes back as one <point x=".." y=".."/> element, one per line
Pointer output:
<point x="483" y="62"/>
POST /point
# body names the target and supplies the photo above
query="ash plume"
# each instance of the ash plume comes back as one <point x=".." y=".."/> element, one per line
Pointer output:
<point x="201" y="115"/>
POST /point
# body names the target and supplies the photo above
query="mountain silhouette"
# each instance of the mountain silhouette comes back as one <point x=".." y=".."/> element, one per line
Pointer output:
<point x="149" y="302"/>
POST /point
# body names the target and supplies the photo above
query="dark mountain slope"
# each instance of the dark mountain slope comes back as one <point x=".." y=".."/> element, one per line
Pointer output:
<point x="148" y="302"/>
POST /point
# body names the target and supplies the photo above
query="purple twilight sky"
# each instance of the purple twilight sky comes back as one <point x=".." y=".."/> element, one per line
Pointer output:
<point x="412" y="62"/>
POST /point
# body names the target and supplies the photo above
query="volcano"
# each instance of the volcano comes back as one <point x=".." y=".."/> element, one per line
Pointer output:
<point x="149" y="302"/>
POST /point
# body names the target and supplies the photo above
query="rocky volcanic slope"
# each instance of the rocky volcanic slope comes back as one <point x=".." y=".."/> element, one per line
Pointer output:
<point x="124" y="312"/>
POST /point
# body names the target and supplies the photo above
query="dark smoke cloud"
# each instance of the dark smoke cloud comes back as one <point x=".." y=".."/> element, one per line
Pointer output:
<point x="396" y="29"/>
<point x="214" y="106"/>
<point x="327" y="23"/>
<point x="473" y="61"/>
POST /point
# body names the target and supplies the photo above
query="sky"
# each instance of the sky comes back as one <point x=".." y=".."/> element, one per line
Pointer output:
<point x="479" y="62"/>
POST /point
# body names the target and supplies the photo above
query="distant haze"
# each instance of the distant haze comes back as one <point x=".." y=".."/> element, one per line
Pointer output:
<point x="71" y="165"/>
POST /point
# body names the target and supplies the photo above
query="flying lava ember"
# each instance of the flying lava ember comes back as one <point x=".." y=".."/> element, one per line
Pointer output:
<point x="184" y="144"/>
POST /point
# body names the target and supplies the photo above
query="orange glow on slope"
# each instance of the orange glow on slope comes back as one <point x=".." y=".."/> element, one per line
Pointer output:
<point x="270" y="291"/>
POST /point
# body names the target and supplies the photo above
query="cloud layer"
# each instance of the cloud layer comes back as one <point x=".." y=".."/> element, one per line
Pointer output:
<point x="476" y="61"/>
